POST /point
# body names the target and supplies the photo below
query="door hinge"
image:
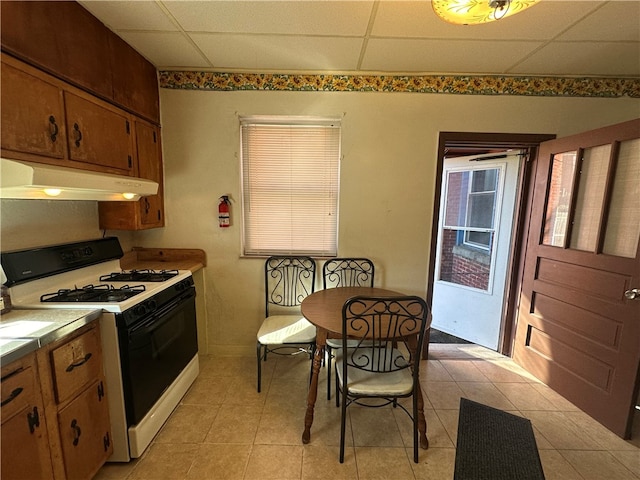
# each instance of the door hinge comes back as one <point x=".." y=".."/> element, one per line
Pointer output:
<point x="155" y="140"/>
<point x="33" y="419"/>
<point x="128" y="127"/>
<point x="129" y="160"/>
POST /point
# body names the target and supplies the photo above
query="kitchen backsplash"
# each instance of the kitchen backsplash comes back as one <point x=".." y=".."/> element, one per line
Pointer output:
<point x="33" y="223"/>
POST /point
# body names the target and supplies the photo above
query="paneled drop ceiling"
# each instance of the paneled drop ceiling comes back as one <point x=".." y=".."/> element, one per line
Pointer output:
<point x="554" y="37"/>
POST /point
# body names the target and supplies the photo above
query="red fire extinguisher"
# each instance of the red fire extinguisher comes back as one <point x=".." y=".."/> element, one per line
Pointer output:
<point x="224" y="211"/>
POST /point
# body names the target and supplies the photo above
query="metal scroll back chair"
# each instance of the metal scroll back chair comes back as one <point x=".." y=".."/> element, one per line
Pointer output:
<point x="382" y="341"/>
<point x="287" y="281"/>
<point x="344" y="272"/>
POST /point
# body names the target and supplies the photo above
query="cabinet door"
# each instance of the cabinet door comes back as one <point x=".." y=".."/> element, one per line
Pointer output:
<point x="148" y="212"/>
<point x="85" y="432"/>
<point x="62" y="38"/>
<point x="23" y="440"/>
<point x="32" y="114"/>
<point x="135" y="80"/>
<point x="150" y="167"/>
<point x="98" y="135"/>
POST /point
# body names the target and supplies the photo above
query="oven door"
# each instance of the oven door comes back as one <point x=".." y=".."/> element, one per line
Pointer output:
<point x="154" y="351"/>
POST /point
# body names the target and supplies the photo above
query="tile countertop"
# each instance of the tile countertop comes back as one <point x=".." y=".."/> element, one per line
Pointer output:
<point x="164" y="259"/>
<point x="23" y="331"/>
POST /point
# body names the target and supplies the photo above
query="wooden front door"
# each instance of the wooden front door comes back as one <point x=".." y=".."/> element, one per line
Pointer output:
<point x="578" y="325"/>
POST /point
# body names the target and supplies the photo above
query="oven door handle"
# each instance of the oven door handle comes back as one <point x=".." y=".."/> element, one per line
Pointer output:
<point x="153" y="322"/>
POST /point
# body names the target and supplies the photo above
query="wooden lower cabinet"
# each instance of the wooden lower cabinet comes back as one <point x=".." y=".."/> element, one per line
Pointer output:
<point x="55" y="415"/>
<point x="24" y="442"/>
<point x="84" y="432"/>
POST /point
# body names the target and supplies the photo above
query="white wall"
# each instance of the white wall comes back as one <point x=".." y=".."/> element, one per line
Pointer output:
<point x="35" y="223"/>
<point x="387" y="180"/>
<point x="387" y="184"/>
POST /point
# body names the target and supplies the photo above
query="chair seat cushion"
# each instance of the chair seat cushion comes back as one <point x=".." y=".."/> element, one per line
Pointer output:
<point x="337" y="342"/>
<point x="283" y="329"/>
<point x="363" y="382"/>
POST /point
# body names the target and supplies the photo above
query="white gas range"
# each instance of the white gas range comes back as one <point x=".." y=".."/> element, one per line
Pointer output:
<point x="148" y="328"/>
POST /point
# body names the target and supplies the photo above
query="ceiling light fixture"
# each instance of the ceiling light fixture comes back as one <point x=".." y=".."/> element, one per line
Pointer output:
<point x="473" y="12"/>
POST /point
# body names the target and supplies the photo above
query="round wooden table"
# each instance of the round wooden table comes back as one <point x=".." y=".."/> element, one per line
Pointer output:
<point x="324" y="310"/>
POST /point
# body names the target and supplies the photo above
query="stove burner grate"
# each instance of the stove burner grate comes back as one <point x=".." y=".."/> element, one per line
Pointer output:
<point x="139" y="276"/>
<point x="93" y="293"/>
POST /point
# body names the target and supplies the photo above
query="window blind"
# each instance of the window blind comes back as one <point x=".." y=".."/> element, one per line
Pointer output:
<point x="290" y="169"/>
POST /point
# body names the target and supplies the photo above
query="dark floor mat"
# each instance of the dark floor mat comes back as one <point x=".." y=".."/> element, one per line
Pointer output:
<point x="495" y="445"/>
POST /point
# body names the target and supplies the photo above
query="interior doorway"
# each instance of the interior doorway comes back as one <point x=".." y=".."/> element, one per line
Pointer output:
<point x="485" y="145"/>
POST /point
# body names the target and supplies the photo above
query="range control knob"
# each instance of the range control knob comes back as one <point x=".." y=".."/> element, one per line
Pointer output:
<point x="151" y="305"/>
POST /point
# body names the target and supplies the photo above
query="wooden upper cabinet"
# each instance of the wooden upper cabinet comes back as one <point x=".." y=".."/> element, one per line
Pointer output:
<point x="135" y="80"/>
<point x="32" y="114"/>
<point x="150" y="167"/>
<point x="99" y="134"/>
<point x="46" y="120"/>
<point x="148" y="212"/>
<point x="62" y="38"/>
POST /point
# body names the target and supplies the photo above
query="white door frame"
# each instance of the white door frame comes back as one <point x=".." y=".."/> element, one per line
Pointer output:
<point x="473" y="313"/>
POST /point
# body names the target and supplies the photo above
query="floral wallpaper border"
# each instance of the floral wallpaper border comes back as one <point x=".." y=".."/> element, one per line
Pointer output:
<point x="450" y="84"/>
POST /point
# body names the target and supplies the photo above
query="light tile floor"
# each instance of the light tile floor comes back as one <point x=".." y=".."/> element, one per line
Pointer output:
<point x="224" y="429"/>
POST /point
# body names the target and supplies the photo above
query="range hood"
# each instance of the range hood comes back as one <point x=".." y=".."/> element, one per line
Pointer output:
<point x="26" y="180"/>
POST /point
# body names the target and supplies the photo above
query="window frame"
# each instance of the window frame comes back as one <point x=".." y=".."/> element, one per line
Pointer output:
<point x="469" y="210"/>
<point x="326" y="177"/>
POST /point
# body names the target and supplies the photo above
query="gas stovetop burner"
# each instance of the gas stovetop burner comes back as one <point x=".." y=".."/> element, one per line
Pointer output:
<point x="139" y="276"/>
<point x="94" y="293"/>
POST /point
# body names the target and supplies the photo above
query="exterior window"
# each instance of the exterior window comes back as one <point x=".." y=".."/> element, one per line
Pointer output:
<point x="481" y="207"/>
<point x="290" y="182"/>
<point x="469" y="229"/>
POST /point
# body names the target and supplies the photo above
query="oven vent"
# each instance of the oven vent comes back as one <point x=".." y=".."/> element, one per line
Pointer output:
<point x="26" y="180"/>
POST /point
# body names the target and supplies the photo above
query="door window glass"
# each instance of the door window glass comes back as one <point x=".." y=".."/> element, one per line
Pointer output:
<point x="592" y="179"/>
<point x="563" y="168"/>
<point x="623" y="227"/>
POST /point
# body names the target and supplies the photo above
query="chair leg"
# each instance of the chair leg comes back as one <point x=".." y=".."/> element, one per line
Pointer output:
<point x="337" y="390"/>
<point x="415" y="428"/>
<point x="328" y="356"/>
<point x="343" y="423"/>
<point x="259" y="356"/>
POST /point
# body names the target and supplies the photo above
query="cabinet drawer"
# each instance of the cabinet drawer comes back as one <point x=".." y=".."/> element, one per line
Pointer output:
<point x="18" y="392"/>
<point x="75" y="364"/>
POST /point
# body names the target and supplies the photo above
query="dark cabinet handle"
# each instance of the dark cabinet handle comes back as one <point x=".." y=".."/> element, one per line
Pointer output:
<point x="53" y="128"/>
<point x="147" y="205"/>
<point x="33" y="420"/>
<point x="79" y="362"/>
<point x="11" y="397"/>
<point x="100" y="391"/>
<point x="76" y="432"/>
<point x="106" y="441"/>
<point x="78" y="134"/>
